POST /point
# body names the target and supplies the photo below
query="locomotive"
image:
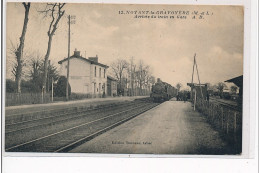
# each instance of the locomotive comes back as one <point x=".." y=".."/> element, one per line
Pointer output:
<point x="162" y="91"/>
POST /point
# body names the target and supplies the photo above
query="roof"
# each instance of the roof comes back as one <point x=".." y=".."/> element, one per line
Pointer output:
<point x="111" y="78"/>
<point x="237" y="80"/>
<point x="85" y="59"/>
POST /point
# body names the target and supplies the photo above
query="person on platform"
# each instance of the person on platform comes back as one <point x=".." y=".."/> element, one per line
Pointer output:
<point x="184" y="97"/>
<point x="208" y="97"/>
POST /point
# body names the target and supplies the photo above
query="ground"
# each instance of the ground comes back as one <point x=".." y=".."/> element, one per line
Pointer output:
<point x="170" y="128"/>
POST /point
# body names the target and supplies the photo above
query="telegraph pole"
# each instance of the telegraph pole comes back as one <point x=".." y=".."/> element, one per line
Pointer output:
<point x="192" y="85"/>
<point x="52" y="89"/>
<point x="68" y="65"/>
<point x="199" y="79"/>
<point x="131" y="77"/>
<point x="193" y="68"/>
<point x="48" y="76"/>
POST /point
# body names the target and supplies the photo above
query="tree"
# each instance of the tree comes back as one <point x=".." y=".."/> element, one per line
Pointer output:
<point x="132" y="75"/>
<point x="233" y="89"/>
<point x="150" y="81"/>
<point x="131" y="72"/>
<point x="60" y="89"/>
<point x="17" y="68"/>
<point x="178" y="86"/>
<point x="36" y="67"/>
<point x="10" y="86"/>
<point x="55" y="11"/>
<point x="119" y="67"/>
<point x="142" y="74"/>
<point x="36" y="74"/>
<point x="220" y="86"/>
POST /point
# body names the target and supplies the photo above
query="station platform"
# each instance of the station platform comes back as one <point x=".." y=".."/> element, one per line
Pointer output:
<point x="11" y="110"/>
<point x="170" y="128"/>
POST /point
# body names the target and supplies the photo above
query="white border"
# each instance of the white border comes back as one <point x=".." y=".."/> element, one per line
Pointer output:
<point x="222" y="163"/>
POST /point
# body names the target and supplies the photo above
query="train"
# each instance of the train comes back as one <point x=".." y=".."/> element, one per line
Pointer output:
<point x="162" y="91"/>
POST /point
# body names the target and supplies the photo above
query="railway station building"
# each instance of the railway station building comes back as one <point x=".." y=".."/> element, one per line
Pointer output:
<point x="111" y="86"/>
<point x="86" y="75"/>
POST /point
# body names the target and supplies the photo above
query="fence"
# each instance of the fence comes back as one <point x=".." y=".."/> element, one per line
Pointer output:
<point x="12" y="99"/>
<point x="77" y="96"/>
<point x="138" y="92"/>
<point x="225" y="120"/>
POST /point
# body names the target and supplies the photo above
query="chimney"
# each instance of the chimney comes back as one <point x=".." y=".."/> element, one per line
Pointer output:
<point x="95" y="59"/>
<point x="76" y="53"/>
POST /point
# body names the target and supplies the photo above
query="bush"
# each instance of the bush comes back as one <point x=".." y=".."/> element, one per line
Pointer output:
<point x="26" y="87"/>
<point x="29" y="87"/>
<point x="60" y="88"/>
<point x="10" y="86"/>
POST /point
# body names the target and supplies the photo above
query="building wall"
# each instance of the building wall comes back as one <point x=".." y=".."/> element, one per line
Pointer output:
<point x="98" y="79"/>
<point x="82" y="77"/>
<point x="114" y="88"/>
<point x="111" y="87"/>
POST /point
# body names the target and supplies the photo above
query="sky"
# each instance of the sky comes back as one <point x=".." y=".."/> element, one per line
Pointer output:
<point x="167" y="45"/>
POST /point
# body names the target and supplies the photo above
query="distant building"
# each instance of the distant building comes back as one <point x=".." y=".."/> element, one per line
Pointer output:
<point x="226" y="89"/>
<point x="238" y="81"/>
<point x="111" y="86"/>
<point x="86" y="76"/>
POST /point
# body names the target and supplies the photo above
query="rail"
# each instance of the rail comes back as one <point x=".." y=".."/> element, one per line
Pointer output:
<point x="66" y="137"/>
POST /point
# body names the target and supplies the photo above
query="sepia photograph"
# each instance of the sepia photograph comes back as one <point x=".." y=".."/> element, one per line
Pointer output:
<point x="123" y="78"/>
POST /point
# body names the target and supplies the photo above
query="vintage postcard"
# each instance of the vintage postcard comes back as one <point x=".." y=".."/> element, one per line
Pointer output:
<point x="124" y="79"/>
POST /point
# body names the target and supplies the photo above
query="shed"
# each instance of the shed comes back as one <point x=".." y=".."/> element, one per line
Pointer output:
<point x="111" y="86"/>
<point x="238" y="81"/>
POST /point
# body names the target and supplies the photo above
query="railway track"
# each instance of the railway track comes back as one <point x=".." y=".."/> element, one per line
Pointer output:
<point x="35" y="115"/>
<point x="56" y="134"/>
<point x="232" y="106"/>
<point x="58" y="118"/>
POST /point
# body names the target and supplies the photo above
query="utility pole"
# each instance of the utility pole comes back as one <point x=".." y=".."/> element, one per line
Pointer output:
<point x="199" y="79"/>
<point x="68" y="65"/>
<point x="131" y="77"/>
<point x="52" y="89"/>
<point x="192" y="85"/>
<point x="193" y="68"/>
<point x="48" y="76"/>
<point x="195" y="100"/>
